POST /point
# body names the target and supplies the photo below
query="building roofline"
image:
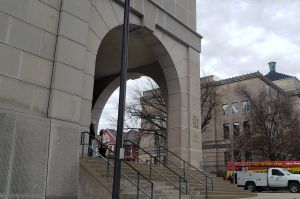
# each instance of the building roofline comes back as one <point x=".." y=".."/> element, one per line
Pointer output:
<point x="250" y="76"/>
<point x="274" y="76"/>
<point x="291" y="77"/>
<point x="107" y="130"/>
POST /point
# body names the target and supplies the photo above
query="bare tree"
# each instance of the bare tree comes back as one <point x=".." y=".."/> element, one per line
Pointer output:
<point x="273" y="124"/>
<point x="150" y="107"/>
<point x="209" y="100"/>
<point x="147" y="112"/>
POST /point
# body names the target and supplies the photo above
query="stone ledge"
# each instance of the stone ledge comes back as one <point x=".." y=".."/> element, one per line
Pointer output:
<point x="184" y="34"/>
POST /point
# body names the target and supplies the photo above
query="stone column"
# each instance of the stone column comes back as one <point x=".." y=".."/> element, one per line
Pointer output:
<point x="195" y="138"/>
<point x="70" y="99"/>
<point x="184" y="115"/>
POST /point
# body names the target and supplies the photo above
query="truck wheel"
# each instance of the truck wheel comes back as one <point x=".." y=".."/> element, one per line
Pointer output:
<point x="294" y="187"/>
<point x="251" y="186"/>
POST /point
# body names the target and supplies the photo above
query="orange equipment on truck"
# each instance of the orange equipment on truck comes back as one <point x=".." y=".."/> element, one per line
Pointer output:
<point x="262" y="167"/>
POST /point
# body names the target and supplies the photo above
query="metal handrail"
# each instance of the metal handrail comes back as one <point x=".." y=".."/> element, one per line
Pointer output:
<point x="184" y="169"/>
<point x="151" y="168"/>
<point x="190" y="175"/>
<point x="123" y="174"/>
<point x="155" y="158"/>
<point x="82" y="142"/>
<point x="194" y="178"/>
<point x="123" y="161"/>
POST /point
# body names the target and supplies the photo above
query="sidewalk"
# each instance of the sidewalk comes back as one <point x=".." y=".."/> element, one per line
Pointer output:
<point x="277" y="195"/>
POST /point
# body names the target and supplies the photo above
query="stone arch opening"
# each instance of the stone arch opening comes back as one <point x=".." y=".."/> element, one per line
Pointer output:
<point x="148" y="132"/>
<point x="147" y="57"/>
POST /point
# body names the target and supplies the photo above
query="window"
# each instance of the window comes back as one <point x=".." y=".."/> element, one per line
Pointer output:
<point x="246" y="127"/>
<point x="236" y="128"/>
<point x="235" y="107"/>
<point x="226" y="131"/>
<point x="237" y="156"/>
<point x="227" y="157"/>
<point x="248" y="156"/>
<point x="245" y="106"/>
<point x="276" y="172"/>
<point x="225" y="109"/>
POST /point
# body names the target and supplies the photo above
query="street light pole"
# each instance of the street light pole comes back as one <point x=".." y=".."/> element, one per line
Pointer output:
<point x="122" y="96"/>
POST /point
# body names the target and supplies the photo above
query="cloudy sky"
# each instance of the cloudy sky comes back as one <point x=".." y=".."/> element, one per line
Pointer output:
<point x="239" y="37"/>
<point x="242" y="36"/>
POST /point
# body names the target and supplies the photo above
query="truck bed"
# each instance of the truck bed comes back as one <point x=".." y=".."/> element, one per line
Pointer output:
<point x="260" y="179"/>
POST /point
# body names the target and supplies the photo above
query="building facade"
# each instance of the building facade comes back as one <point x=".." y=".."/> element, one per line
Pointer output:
<point x="229" y="116"/>
<point x="60" y="61"/>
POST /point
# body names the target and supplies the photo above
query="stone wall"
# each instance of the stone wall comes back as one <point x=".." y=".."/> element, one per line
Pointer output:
<point x="288" y="84"/>
<point x="90" y="188"/>
<point x="27" y="47"/>
<point x="48" y="51"/>
<point x="24" y="142"/>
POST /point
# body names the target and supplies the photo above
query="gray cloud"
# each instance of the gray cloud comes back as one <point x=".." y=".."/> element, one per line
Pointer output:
<point x="242" y="36"/>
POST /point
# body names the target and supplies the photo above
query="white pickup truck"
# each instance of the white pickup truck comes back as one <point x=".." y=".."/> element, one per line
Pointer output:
<point x="274" y="179"/>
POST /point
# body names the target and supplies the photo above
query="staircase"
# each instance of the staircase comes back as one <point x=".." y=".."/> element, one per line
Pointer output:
<point x="161" y="189"/>
<point x="221" y="189"/>
<point x="159" y="181"/>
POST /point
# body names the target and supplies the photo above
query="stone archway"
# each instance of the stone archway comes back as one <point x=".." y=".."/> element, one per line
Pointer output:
<point x="146" y="54"/>
<point x="171" y="47"/>
<point x="149" y="56"/>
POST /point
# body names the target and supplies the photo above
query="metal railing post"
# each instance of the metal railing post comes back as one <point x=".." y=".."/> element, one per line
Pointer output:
<point x="138" y="185"/>
<point x="206" y="187"/>
<point x="184" y="170"/>
<point x="179" y="187"/>
<point x="158" y="153"/>
<point x="186" y="187"/>
<point x="157" y="148"/>
<point x="151" y="190"/>
<point x="150" y="168"/>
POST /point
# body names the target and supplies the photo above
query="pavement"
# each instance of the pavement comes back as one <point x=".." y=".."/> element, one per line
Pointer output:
<point x="276" y="195"/>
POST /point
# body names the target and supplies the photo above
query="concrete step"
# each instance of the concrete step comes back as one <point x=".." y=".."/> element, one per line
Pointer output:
<point x="162" y="188"/>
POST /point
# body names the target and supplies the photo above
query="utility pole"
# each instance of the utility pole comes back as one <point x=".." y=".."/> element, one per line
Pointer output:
<point x="120" y="127"/>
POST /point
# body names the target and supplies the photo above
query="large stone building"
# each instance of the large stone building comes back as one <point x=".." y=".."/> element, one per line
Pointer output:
<point x="229" y="116"/>
<point x="60" y="61"/>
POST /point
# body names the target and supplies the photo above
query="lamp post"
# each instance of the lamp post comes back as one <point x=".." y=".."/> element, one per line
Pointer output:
<point x="122" y="96"/>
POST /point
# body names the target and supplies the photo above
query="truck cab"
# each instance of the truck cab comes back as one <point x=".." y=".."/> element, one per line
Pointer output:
<point x="278" y="177"/>
<point x="275" y="178"/>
